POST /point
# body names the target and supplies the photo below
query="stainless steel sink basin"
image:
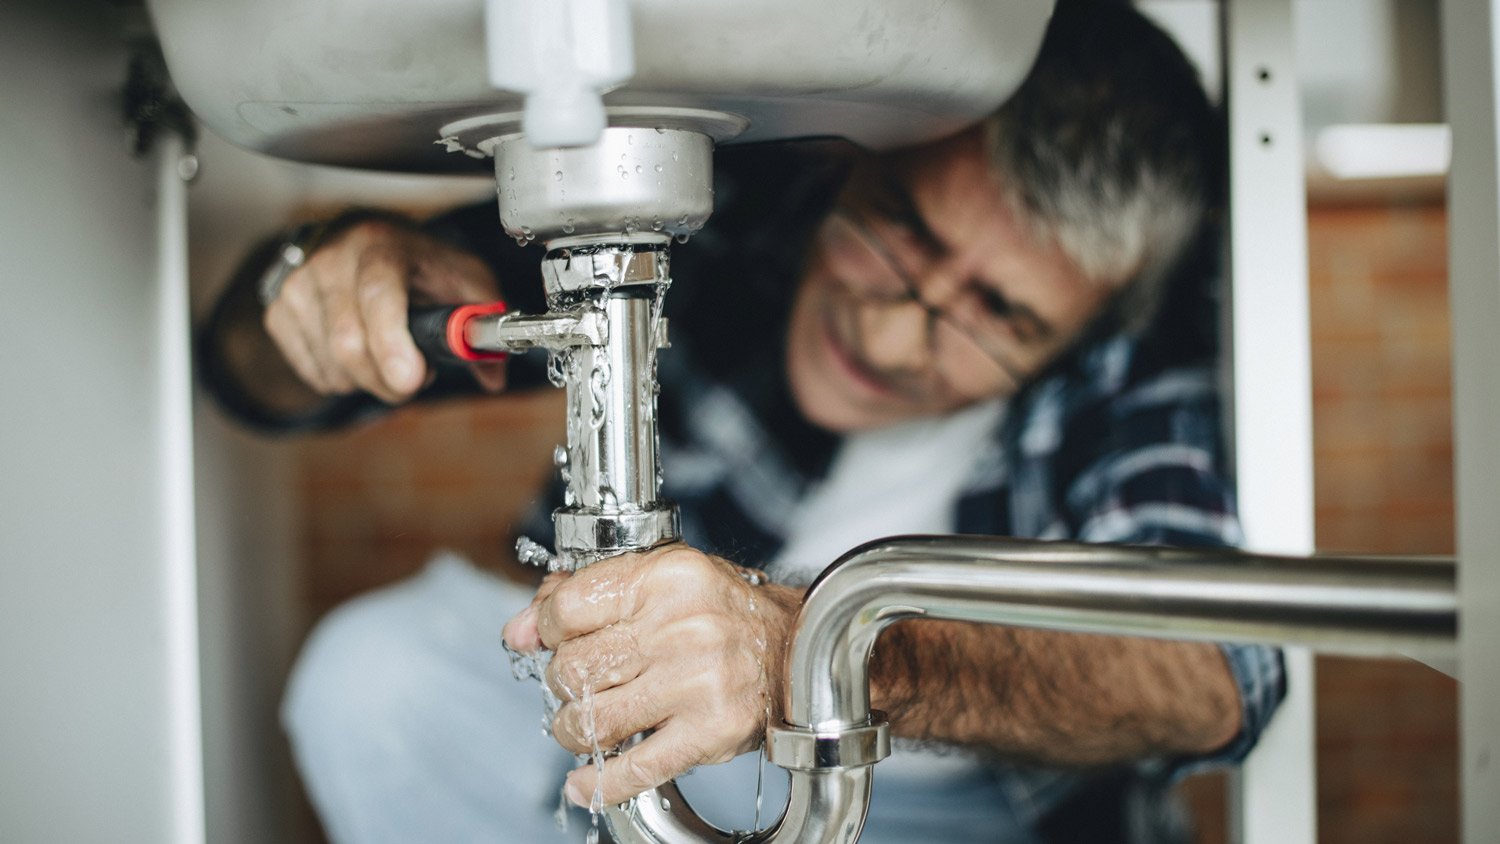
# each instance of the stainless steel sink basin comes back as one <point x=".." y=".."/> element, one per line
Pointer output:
<point x="369" y="83"/>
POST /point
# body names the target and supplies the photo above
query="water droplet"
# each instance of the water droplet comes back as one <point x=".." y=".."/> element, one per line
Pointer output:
<point x="556" y="370"/>
<point x="660" y="130"/>
<point x="560" y="817"/>
<point x="559" y="456"/>
<point x="557" y="175"/>
<point x="526" y="230"/>
<point x="638" y="169"/>
<point x="682" y="238"/>
<point x="674" y="156"/>
<point x="666" y="805"/>
<point x="512" y="174"/>
<point x="657" y="225"/>
<point x="630" y="139"/>
<point x="658" y="168"/>
<point x="568" y="226"/>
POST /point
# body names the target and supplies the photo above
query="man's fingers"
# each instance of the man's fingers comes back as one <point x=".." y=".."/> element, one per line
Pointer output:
<point x="346" y="335"/>
<point x="607" y="718"/>
<point x="381" y="279"/>
<point x="521" y="631"/>
<point x="294" y="320"/>
<point x="667" y="753"/>
<point x="449" y="275"/>
<point x="288" y="336"/>
<point x="341" y="319"/>
<point x="595" y="597"/>
<point x="608" y="658"/>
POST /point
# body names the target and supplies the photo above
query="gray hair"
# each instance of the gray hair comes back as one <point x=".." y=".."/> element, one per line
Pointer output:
<point x="1111" y="150"/>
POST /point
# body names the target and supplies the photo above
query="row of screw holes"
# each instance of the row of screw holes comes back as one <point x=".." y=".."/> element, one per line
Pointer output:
<point x="1263" y="73"/>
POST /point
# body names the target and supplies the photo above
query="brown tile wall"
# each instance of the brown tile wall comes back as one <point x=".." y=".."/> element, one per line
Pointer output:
<point x="1383" y="460"/>
<point x="1383" y="453"/>
<point x="378" y="500"/>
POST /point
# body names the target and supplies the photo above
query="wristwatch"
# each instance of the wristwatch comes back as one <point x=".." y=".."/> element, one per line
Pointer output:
<point x="292" y="254"/>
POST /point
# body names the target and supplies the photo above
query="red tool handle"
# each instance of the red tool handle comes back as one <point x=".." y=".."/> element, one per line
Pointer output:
<point x="441" y="335"/>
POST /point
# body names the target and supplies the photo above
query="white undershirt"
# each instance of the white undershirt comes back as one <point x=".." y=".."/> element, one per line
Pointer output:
<point x="900" y="479"/>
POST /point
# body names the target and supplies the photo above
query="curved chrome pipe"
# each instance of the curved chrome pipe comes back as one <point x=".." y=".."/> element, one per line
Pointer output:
<point x="1353" y="605"/>
<point x="822" y="806"/>
<point x="1339" y="604"/>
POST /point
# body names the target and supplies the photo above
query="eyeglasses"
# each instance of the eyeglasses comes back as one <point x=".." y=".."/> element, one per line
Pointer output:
<point x="976" y="320"/>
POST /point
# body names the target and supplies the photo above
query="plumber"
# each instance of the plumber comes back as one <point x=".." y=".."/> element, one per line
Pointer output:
<point x="1006" y="332"/>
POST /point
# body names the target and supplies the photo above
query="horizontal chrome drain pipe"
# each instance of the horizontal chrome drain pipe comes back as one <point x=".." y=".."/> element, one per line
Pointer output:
<point x="1367" y="606"/>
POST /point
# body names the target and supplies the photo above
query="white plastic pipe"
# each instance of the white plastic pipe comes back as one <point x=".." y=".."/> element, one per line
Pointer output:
<point x="562" y="55"/>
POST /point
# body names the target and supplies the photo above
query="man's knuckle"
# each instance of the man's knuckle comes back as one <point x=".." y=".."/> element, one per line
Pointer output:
<point x="366" y="234"/>
<point x="717" y="697"/>
<point x="347" y="345"/>
<point x="365" y="229"/>
<point x="706" y="634"/>
<point x="348" y="339"/>
<point x="639" y="773"/>
<point x="565" y="604"/>
<point x="681" y="566"/>
<point x="296" y="297"/>
<point x="612" y="725"/>
<point x="704" y="688"/>
<point x="565" y="729"/>
<point x="562" y="678"/>
<point x="368" y="293"/>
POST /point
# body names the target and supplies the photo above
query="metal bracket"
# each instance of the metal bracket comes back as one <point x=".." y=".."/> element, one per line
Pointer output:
<point x="151" y="106"/>
<point x="519" y="332"/>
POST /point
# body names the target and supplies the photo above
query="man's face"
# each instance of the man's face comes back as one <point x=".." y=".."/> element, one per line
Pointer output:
<point x="924" y="293"/>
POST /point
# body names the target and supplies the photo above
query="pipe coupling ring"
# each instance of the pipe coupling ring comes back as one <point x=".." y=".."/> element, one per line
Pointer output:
<point x="803" y="749"/>
<point x="584" y="537"/>
<point x="572" y="273"/>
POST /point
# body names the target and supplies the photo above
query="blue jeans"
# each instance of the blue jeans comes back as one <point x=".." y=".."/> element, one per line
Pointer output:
<point x="407" y="726"/>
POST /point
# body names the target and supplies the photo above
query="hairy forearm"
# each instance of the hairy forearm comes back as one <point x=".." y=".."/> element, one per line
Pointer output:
<point x="1053" y="698"/>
